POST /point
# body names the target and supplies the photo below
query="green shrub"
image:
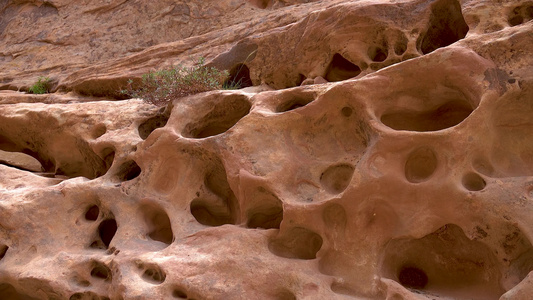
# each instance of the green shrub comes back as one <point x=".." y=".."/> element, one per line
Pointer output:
<point x="165" y="85"/>
<point x="42" y="86"/>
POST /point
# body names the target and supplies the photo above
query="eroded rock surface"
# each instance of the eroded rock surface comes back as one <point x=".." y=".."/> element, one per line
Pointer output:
<point x="379" y="151"/>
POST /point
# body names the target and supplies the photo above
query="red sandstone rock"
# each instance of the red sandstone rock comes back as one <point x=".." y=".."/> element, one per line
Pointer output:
<point x="401" y="168"/>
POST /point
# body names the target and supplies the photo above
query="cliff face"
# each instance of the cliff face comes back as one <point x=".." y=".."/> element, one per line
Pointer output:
<point x="383" y="150"/>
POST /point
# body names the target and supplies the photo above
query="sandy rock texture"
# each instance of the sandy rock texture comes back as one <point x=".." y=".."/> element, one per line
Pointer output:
<point x="380" y="150"/>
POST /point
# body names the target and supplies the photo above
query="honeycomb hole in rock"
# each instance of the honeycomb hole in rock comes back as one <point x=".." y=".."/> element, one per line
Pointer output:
<point x="335" y="179"/>
<point x="153" y="274"/>
<point x="446" y="26"/>
<point x="341" y="69"/>
<point x="152" y="124"/>
<point x="3" y="251"/>
<point x="401" y="45"/>
<point x="444" y="116"/>
<point x="412" y="277"/>
<point x="378" y="53"/>
<point x="521" y="14"/>
<point x="129" y="170"/>
<point x="211" y="213"/>
<point x="157" y="223"/>
<point x="99" y="130"/>
<point x="266" y="211"/>
<point x="107" y="230"/>
<point x="473" y="182"/>
<point x="298" y="242"/>
<point x="420" y="165"/>
<point x="8" y="292"/>
<point x="179" y="294"/>
<point x="108" y="155"/>
<point x="92" y="213"/>
<point x="223" y="115"/>
<point x="285" y="294"/>
<point x="347" y="111"/>
<point x="445" y="263"/>
<point x="262" y="4"/>
<point x="87" y="296"/>
<point x="239" y="77"/>
<point x="294" y="99"/>
<point x="101" y="271"/>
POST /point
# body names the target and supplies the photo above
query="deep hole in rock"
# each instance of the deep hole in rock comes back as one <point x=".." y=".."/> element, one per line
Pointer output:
<point x="444" y="116"/>
<point x="8" y="292"/>
<point x="341" y="69"/>
<point x="101" y="271"/>
<point x="401" y="45"/>
<point x="335" y="179"/>
<point x="521" y="14"/>
<point x="154" y="274"/>
<point x="446" y="26"/>
<point x="346" y="111"/>
<point x="92" y="213"/>
<point x="177" y="293"/>
<point x="265" y="211"/>
<point x="285" y="294"/>
<point x="152" y="124"/>
<point x="445" y="263"/>
<point x="262" y="4"/>
<point x="223" y="115"/>
<point x="99" y="130"/>
<point x="210" y="215"/>
<point x="473" y="182"/>
<point x="157" y="223"/>
<point x="107" y="230"/>
<point x="87" y="296"/>
<point x="128" y="171"/>
<point x="294" y="99"/>
<point x="377" y="53"/>
<point x="220" y="206"/>
<point x="420" y="165"/>
<point x="298" y="242"/>
<point x="412" y="277"/>
<point x="239" y="77"/>
<point x="108" y="155"/>
<point x="3" y="251"/>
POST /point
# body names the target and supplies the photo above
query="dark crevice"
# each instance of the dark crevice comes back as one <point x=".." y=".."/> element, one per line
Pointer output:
<point x="521" y="14"/>
<point x="107" y="230"/>
<point x="298" y="242"/>
<point x="446" y="26"/>
<point x="341" y="69"/>
<point x="152" y="124"/>
<point x="3" y="251"/>
<point x="101" y="271"/>
<point x="92" y="213"/>
<point x="128" y="171"/>
<point x="239" y="77"/>
<point x="157" y="223"/>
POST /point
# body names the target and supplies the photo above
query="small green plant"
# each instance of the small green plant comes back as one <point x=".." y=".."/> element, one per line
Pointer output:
<point x="42" y="86"/>
<point x="165" y="85"/>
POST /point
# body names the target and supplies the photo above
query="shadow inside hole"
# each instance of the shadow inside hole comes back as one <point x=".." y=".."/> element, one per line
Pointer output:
<point x="473" y="182"/>
<point x="3" y="251"/>
<point x="265" y="210"/>
<point x="298" y="242"/>
<point x="239" y="77"/>
<point x="101" y="271"/>
<point x="444" y="116"/>
<point x="445" y="263"/>
<point x="92" y="213"/>
<point x="153" y="274"/>
<point x="223" y="115"/>
<point x="335" y="179"/>
<point x="128" y="171"/>
<point x="420" y="165"/>
<point x="341" y="69"/>
<point x="152" y="124"/>
<point x="446" y="26"/>
<point x="377" y="54"/>
<point x="520" y="14"/>
<point x="158" y="223"/>
<point x="107" y="230"/>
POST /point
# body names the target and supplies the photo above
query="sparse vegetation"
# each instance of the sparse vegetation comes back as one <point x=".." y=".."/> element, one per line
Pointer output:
<point x="42" y="86"/>
<point x="165" y="85"/>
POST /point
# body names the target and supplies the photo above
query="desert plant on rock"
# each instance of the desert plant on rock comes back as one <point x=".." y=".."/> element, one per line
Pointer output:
<point x="42" y="86"/>
<point x="163" y="86"/>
